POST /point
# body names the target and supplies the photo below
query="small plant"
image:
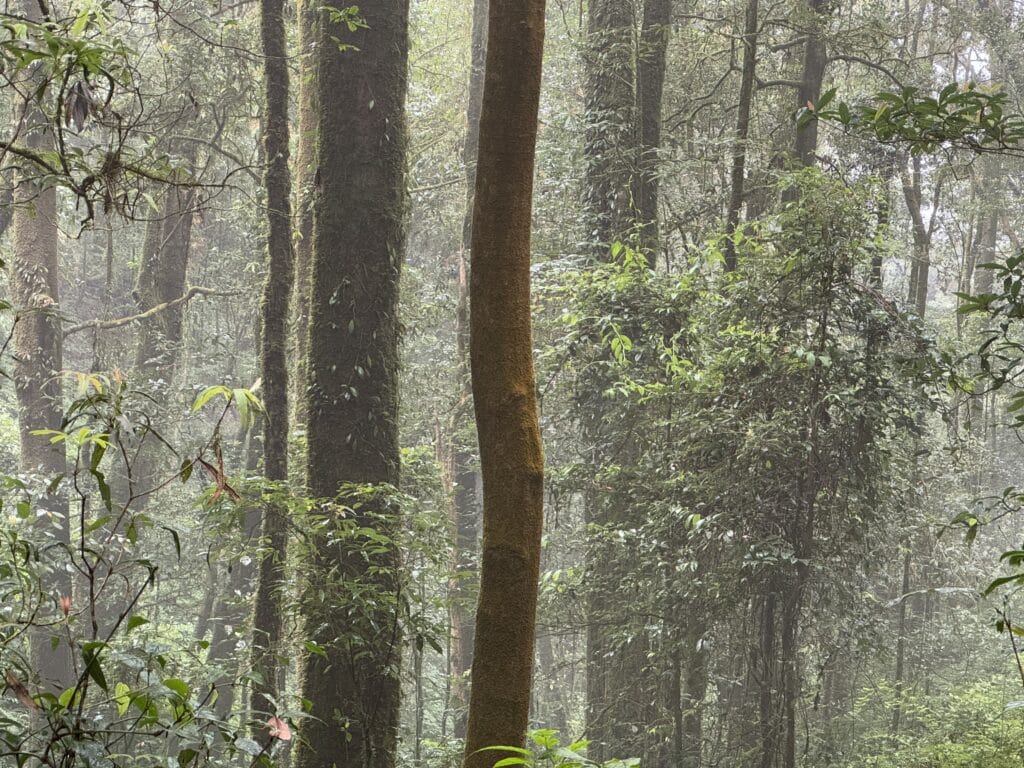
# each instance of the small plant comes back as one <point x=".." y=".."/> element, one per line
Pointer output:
<point x="548" y="751"/>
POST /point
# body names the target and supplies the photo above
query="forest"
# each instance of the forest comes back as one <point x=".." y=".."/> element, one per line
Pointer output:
<point x="439" y="384"/>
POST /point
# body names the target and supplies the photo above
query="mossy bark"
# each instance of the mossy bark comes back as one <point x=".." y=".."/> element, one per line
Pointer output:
<point x="305" y="183"/>
<point x="267" y="618"/>
<point x="352" y="607"/>
<point x="501" y="346"/>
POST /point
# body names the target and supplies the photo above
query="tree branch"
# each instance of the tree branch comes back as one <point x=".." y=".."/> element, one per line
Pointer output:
<point x="106" y="325"/>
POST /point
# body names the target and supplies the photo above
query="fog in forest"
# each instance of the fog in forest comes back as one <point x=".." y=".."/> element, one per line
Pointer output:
<point x="496" y="383"/>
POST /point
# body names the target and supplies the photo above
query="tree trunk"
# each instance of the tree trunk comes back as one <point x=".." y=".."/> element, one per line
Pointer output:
<point x="305" y="171"/>
<point x="465" y="506"/>
<point x="610" y="140"/>
<point x="901" y="651"/>
<point x="650" y="86"/>
<point x="34" y="277"/>
<point x="815" y="61"/>
<point x="692" y="700"/>
<point x="358" y="248"/>
<point x="739" y="153"/>
<point x="511" y="455"/>
<point x="267" y="619"/>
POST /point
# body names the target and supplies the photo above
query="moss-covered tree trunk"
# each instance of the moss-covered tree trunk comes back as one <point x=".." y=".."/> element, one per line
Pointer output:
<point x="504" y="396"/>
<point x="267" y="619"/>
<point x="352" y="608"/>
<point x="465" y="506"/>
<point x="305" y="183"/>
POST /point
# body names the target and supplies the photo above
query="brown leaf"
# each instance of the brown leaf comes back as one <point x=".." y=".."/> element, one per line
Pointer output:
<point x="20" y="691"/>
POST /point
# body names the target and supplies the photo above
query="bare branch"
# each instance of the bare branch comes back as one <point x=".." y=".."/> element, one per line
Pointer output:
<point x="106" y="325"/>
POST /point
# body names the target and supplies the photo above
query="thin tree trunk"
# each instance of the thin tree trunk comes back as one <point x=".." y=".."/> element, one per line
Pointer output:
<point x="358" y="249"/>
<point x="901" y="651"/>
<point x="511" y="455"/>
<point x="267" y="619"/>
<point x="739" y="153"/>
<point x="650" y="86"/>
<point x="305" y="172"/>
<point x="34" y="277"/>
<point x="815" y="61"/>
<point x="694" y="691"/>
<point x="466" y="507"/>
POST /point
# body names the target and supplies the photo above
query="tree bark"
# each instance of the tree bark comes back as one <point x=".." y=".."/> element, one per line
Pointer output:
<point x="358" y="248"/>
<point x="739" y="153"/>
<point x="511" y="455"/>
<point x="610" y="139"/>
<point x="655" y="31"/>
<point x="815" y="61"/>
<point x="305" y="171"/>
<point x="34" y="280"/>
<point x="267" y="619"/>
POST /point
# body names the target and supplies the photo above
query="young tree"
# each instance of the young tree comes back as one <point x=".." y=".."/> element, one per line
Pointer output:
<point x="511" y="455"/>
<point x="464" y="505"/>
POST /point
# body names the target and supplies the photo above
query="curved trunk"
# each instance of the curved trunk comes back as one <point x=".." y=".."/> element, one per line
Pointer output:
<point x="504" y="396"/>
<point x="465" y="507"/>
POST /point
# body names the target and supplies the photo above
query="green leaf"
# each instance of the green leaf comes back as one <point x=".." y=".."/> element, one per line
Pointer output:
<point x="122" y="697"/>
<point x="179" y="686"/>
<point x="176" y="538"/>
<point x="208" y="394"/>
<point x="134" y="622"/>
<point x="91" y="656"/>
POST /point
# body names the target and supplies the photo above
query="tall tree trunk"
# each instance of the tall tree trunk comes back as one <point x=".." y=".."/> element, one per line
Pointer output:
<point x="34" y="277"/>
<point x="611" y="134"/>
<point x="511" y="455"/>
<point x="465" y="508"/>
<point x="305" y="171"/>
<point x="739" y="152"/>
<point x="267" y="620"/>
<point x="358" y="248"/>
<point x="650" y="87"/>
